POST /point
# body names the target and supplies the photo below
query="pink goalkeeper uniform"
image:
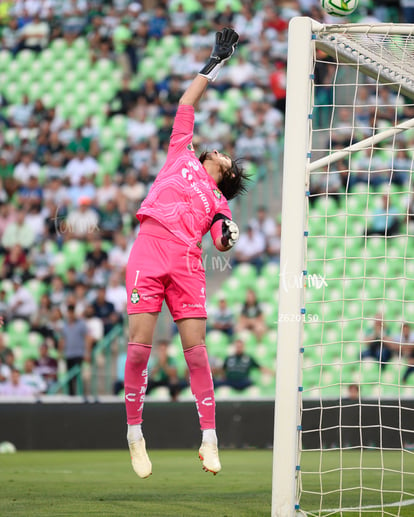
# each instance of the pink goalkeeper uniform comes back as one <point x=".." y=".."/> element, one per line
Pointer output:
<point x="165" y="261"/>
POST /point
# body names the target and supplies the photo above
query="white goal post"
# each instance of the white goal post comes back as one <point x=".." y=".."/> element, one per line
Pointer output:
<point x="343" y="172"/>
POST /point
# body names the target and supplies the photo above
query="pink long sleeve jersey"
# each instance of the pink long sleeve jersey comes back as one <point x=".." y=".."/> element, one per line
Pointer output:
<point x="184" y="198"/>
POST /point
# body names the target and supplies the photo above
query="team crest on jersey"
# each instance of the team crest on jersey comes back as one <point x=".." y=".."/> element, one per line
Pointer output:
<point x="217" y="193"/>
<point x="135" y="295"/>
<point x="190" y="147"/>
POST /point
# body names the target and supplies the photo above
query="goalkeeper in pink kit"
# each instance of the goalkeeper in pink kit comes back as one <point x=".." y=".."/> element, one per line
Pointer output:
<point x="188" y="199"/>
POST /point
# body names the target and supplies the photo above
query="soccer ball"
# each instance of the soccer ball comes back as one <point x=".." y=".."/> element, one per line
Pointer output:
<point x="7" y="448"/>
<point x="339" y="7"/>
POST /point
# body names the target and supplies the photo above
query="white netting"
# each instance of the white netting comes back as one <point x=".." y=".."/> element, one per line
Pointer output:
<point x="358" y="350"/>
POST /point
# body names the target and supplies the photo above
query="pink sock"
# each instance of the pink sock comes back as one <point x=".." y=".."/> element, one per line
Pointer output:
<point x="201" y="385"/>
<point x="136" y="380"/>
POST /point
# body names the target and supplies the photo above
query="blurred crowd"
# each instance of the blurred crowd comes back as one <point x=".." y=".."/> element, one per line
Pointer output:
<point x="67" y="223"/>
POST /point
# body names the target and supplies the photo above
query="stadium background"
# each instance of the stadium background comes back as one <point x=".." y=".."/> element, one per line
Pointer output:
<point x="60" y="101"/>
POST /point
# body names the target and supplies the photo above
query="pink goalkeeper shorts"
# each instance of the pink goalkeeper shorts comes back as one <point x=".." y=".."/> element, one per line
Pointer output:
<point x="162" y="267"/>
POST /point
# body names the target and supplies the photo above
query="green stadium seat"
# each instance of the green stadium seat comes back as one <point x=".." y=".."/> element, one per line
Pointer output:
<point x="246" y="274"/>
<point x="58" y="46"/>
<point x="25" y="58"/>
<point x="17" y="331"/>
<point x="217" y="339"/>
<point x="189" y="6"/>
<point x="36" y="287"/>
<point x="5" y="60"/>
<point x="48" y="59"/>
<point x="271" y="272"/>
<point x="74" y="251"/>
<point x="13" y="91"/>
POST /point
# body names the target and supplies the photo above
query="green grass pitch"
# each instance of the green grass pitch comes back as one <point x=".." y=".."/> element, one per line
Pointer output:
<point x="102" y="483"/>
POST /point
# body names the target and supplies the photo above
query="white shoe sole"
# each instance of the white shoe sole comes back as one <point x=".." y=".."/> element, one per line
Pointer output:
<point x="140" y="460"/>
<point x="208" y="454"/>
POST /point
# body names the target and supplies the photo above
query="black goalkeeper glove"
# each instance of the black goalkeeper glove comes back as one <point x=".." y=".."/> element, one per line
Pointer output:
<point x="226" y="41"/>
<point x="230" y="232"/>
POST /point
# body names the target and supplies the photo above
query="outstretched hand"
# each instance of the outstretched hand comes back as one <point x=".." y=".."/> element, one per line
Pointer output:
<point x="224" y="46"/>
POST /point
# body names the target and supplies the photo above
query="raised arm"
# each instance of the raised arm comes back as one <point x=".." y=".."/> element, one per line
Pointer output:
<point x="225" y="44"/>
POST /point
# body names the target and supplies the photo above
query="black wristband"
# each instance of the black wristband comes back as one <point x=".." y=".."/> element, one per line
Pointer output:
<point x="217" y="217"/>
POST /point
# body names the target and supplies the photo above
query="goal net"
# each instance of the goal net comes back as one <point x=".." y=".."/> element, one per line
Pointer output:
<point x="344" y="412"/>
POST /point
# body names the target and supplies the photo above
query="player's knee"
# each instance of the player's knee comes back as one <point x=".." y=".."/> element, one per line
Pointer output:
<point x="138" y="354"/>
<point x="196" y="357"/>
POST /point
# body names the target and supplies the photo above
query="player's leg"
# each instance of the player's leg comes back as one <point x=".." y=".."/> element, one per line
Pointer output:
<point x="145" y="293"/>
<point x="141" y="331"/>
<point x="193" y="332"/>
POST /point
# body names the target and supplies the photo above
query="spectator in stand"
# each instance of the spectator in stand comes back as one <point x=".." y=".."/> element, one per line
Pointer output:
<point x="263" y="222"/>
<point x="46" y="366"/>
<point x="214" y="131"/>
<point x="273" y="245"/>
<point x="81" y="165"/>
<point x="118" y="255"/>
<point x="82" y="222"/>
<point x="110" y="220"/>
<point x="251" y="145"/>
<point x="26" y="169"/>
<point x="248" y="24"/>
<point x="57" y="291"/>
<point x="124" y="48"/>
<point x="10" y="36"/>
<point x="97" y="256"/>
<point x="132" y="192"/>
<point x="379" y="344"/>
<point x="20" y="113"/>
<point x="94" y="324"/>
<point x="31" y="193"/>
<point x="158" y="22"/>
<point x="162" y="371"/>
<point x="4" y="349"/>
<point x="116" y="294"/>
<point x="3" y="314"/>
<point x="35" y="34"/>
<point x="4" y="371"/>
<point x="250" y="248"/>
<point x="39" y="320"/>
<point x="32" y="378"/>
<point x="105" y="310"/>
<point x="237" y="368"/>
<point x="385" y="219"/>
<point x="74" y="343"/>
<point x="251" y="316"/>
<point x="407" y="10"/>
<point x="241" y="74"/>
<point x="85" y="189"/>
<point x="15" y="262"/>
<point x="222" y="318"/>
<point x="21" y="301"/>
<point x="107" y="191"/>
<point x="14" y="387"/>
<point x="124" y="100"/>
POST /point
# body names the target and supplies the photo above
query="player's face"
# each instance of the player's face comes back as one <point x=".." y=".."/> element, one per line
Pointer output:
<point x="223" y="160"/>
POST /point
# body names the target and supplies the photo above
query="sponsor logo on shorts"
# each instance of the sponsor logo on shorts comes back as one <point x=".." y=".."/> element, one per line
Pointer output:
<point x="135" y="295"/>
<point x="193" y="305"/>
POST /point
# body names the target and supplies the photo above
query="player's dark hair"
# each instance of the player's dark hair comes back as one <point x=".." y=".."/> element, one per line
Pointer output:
<point x="235" y="179"/>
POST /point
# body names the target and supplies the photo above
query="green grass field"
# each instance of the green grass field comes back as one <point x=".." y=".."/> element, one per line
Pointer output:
<point x="102" y="483"/>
